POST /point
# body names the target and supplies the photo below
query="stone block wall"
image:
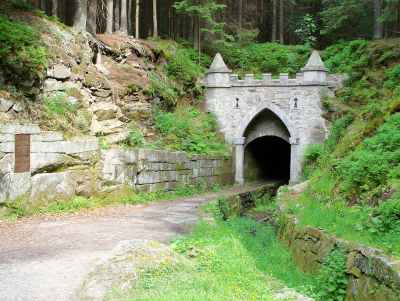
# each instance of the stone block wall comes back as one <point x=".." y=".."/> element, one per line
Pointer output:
<point x="58" y="168"/>
<point x="372" y="275"/>
<point x="61" y="169"/>
<point x="152" y="170"/>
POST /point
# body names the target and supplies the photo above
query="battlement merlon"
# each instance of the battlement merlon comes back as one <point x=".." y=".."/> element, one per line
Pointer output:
<point x="220" y="76"/>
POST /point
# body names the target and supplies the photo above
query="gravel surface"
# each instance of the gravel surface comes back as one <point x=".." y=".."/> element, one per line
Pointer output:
<point x="47" y="257"/>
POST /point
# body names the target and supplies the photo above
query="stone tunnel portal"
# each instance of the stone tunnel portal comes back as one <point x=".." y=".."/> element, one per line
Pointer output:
<point x="267" y="149"/>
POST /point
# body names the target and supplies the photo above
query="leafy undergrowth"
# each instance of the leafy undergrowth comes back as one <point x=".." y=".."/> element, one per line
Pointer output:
<point x="236" y="259"/>
<point x="20" y="208"/>
<point x="272" y="58"/>
<point x="354" y="189"/>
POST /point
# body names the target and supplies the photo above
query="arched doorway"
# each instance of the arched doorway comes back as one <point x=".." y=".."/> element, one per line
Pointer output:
<point x="267" y="159"/>
<point x="266" y="150"/>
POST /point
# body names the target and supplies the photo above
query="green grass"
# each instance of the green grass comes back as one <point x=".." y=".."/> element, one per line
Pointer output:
<point x="20" y="208"/>
<point x="191" y="130"/>
<point x="233" y="260"/>
<point x="361" y="223"/>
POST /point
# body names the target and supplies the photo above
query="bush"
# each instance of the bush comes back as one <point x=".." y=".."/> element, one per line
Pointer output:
<point x="22" y="56"/>
<point x="165" y="89"/>
<point x="332" y="280"/>
<point x="188" y="129"/>
<point x="375" y="161"/>
<point x="58" y="105"/>
<point x="338" y="130"/>
<point x="135" y="138"/>
<point x="266" y="58"/>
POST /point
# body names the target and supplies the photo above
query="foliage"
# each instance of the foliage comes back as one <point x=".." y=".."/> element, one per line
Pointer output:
<point x="22" y="55"/>
<point x="135" y="138"/>
<point x="231" y="260"/>
<point x="266" y="58"/>
<point x="183" y="68"/>
<point x="375" y="162"/>
<point x="59" y="105"/>
<point x="385" y="219"/>
<point x="346" y="19"/>
<point x="332" y="279"/>
<point x="166" y="89"/>
<point x="190" y="130"/>
<point x="206" y="14"/>
<point x="307" y="30"/>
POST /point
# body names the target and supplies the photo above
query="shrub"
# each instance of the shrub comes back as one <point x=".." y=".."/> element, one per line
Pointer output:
<point x="375" y="161"/>
<point x="332" y="280"/>
<point x="22" y="56"/>
<point x="59" y="105"/>
<point x="386" y="217"/>
<point x="338" y="130"/>
<point x="135" y="138"/>
<point x="164" y="88"/>
<point x="188" y="129"/>
<point x="266" y="57"/>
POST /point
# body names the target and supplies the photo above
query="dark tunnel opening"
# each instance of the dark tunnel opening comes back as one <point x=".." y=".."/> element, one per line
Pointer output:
<point x="267" y="159"/>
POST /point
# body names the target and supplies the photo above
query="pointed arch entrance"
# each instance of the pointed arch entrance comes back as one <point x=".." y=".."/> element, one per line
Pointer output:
<point x="264" y="151"/>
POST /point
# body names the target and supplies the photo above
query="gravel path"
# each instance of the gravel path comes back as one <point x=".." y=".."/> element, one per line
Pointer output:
<point x="46" y="258"/>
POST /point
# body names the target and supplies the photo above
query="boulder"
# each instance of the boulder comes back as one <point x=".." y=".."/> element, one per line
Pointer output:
<point x="59" y="72"/>
<point x="53" y="85"/>
<point x="13" y="186"/>
<point x="52" y="186"/>
<point x="49" y="162"/>
<point x="120" y="269"/>
<point x="117" y="137"/>
<point x="137" y="110"/>
<point x="105" y="110"/>
<point x="106" y="127"/>
<point x="5" y="105"/>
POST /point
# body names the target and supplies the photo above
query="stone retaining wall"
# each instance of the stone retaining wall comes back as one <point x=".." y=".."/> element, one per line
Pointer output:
<point x="373" y="276"/>
<point x="152" y="170"/>
<point x="60" y="169"/>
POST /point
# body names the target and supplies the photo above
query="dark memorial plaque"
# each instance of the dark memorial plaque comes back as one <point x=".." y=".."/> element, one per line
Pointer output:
<point x="22" y="153"/>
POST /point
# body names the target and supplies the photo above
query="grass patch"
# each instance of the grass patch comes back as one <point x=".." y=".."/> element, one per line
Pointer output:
<point x="378" y="227"/>
<point x="20" y="208"/>
<point x="232" y="260"/>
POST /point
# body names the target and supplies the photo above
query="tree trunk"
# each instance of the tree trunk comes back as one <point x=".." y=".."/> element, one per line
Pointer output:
<point x="117" y="15"/>
<point x="282" y="21"/>
<point x="80" y="15"/>
<point x="130" y="16"/>
<point x="54" y="8"/>
<point x="274" y="21"/>
<point x="137" y="19"/>
<point x="91" y="25"/>
<point x="240" y="14"/>
<point x="124" y="18"/>
<point x="378" y="27"/>
<point x="110" y="16"/>
<point x="155" y="19"/>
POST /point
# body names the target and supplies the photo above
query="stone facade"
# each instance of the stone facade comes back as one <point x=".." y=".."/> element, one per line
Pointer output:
<point x="372" y="275"/>
<point x="61" y="169"/>
<point x="294" y="105"/>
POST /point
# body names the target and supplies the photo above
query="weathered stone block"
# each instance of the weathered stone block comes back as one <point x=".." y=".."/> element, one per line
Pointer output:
<point x="47" y="137"/>
<point x="7" y="147"/>
<point x="19" y="129"/>
<point x="66" y="147"/>
<point x="7" y="138"/>
<point x="53" y="186"/>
